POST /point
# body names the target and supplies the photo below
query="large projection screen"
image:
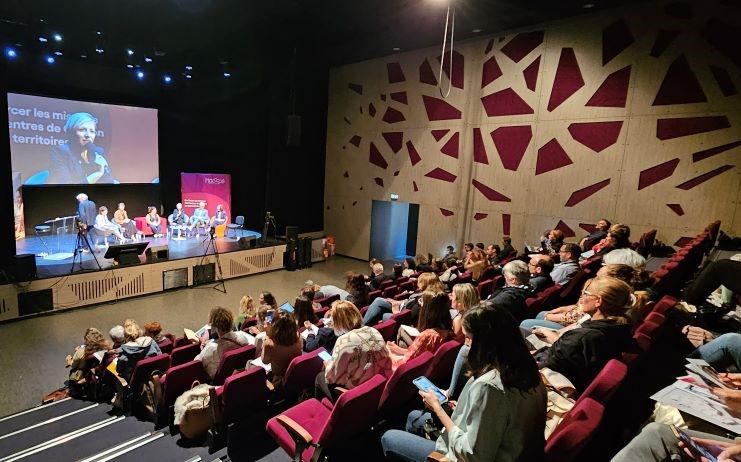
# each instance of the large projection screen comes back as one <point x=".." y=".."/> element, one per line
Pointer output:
<point x="57" y="141"/>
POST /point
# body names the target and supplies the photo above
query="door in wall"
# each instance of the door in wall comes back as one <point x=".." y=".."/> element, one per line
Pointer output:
<point x="393" y="230"/>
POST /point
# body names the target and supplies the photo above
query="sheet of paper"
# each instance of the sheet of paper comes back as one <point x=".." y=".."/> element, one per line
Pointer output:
<point x="311" y="330"/>
<point x="258" y="362"/>
<point x="698" y="406"/>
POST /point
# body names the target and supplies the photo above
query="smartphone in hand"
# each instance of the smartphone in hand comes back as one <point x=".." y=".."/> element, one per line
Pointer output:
<point x="696" y="449"/>
<point x="424" y="384"/>
<point x="325" y="356"/>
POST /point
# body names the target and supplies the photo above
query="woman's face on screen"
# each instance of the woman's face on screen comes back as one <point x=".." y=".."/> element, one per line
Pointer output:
<point x="85" y="133"/>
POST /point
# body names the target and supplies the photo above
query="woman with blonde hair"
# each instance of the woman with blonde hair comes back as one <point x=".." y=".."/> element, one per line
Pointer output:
<point x="581" y="350"/>
<point x="383" y="308"/>
<point x="462" y="298"/>
<point x="358" y="354"/>
<point x="84" y="359"/>
<point x="247" y="310"/>
<point x="136" y="348"/>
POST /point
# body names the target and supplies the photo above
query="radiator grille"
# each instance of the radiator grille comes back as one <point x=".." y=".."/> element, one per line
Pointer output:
<point x="131" y="288"/>
<point x="91" y="290"/>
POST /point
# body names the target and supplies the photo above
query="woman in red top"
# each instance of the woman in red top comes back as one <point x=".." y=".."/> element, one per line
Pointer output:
<point x="435" y="327"/>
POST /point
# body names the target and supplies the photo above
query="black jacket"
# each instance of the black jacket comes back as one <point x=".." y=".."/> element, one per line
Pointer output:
<point x="506" y="252"/>
<point x="512" y="298"/>
<point x="324" y="338"/>
<point x="376" y="281"/>
<point x="541" y="282"/>
<point x="581" y="353"/>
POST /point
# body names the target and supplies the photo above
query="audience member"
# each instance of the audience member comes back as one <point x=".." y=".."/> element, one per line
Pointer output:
<point x="372" y="262"/>
<point x="154" y="330"/>
<point x="507" y="251"/>
<point x="283" y="343"/>
<point x="247" y="310"/>
<point x="435" y="328"/>
<point x="463" y="297"/>
<point x="136" y="348"/>
<point x="515" y="291"/>
<point x="84" y="359"/>
<point x="476" y="263"/>
<point x="397" y="271"/>
<point x="618" y="237"/>
<point x="117" y="336"/>
<point x="384" y="307"/>
<point x="580" y="353"/>
<point x="553" y="242"/>
<point x="358" y="291"/>
<point x="450" y="253"/>
<point x="726" y="273"/>
<point x="410" y="267"/>
<point x="423" y="264"/>
<point x="303" y="311"/>
<point x="599" y="233"/>
<point x="266" y="298"/>
<point x="492" y="254"/>
<point x="501" y="412"/>
<point x="540" y="267"/>
<point x="378" y="276"/>
<point x="358" y="354"/>
<point x="625" y="257"/>
<point x="330" y="290"/>
<point x="221" y="321"/>
<point x="324" y="337"/>
<point x="568" y="265"/>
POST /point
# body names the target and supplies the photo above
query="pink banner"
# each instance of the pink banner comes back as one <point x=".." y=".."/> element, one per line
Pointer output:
<point x="214" y="188"/>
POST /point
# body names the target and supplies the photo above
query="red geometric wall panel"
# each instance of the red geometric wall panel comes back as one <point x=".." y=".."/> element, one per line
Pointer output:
<point x="565" y="229"/>
<point x="583" y="193"/>
<point x="551" y="157"/>
<point x="698" y="180"/>
<point x="657" y="173"/>
<point x="414" y="156"/>
<point x="724" y="37"/>
<point x="479" y="150"/>
<point x="425" y="73"/>
<point x="355" y="140"/>
<point x="506" y="223"/>
<point x="511" y="144"/>
<point x="724" y="80"/>
<point x="505" y="102"/>
<point x="676" y="208"/>
<point x="355" y="87"/>
<point x="438" y="109"/>
<point x="588" y="227"/>
<point x="522" y="45"/>
<point x="446" y="212"/>
<point x="414" y="184"/>
<point x="394" y="140"/>
<point x="489" y="193"/>
<point x="480" y="216"/>
<point x="675" y="128"/>
<point x="451" y="147"/>
<point x="439" y="134"/>
<point x="491" y="71"/>
<point x="376" y="158"/>
<point x="489" y="47"/>
<point x="371" y="110"/>
<point x="568" y="79"/>
<point x="379" y="181"/>
<point x="700" y="155"/>
<point x="680" y="85"/>
<point x="458" y="66"/>
<point x="399" y="96"/>
<point x="395" y="74"/>
<point x="663" y="39"/>
<point x="393" y="116"/>
<point x="441" y="174"/>
<point x="597" y="136"/>
<point x="531" y="74"/>
<point x="615" y="38"/>
<point x="614" y="90"/>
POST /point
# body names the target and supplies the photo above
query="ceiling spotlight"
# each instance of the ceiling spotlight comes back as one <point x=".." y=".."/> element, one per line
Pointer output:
<point x="227" y="74"/>
<point x="50" y="59"/>
<point x="43" y="39"/>
<point x="58" y="53"/>
<point x="476" y="31"/>
<point x="57" y="37"/>
<point x="188" y="68"/>
<point x="11" y="53"/>
<point x="99" y="51"/>
<point x="588" y="5"/>
<point x="129" y="51"/>
<point x="188" y="76"/>
<point x="97" y="32"/>
<point x="130" y="66"/>
<point x="83" y="56"/>
<point x="140" y="75"/>
<point x="396" y="49"/>
<point x="167" y="79"/>
<point x="147" y="59"/>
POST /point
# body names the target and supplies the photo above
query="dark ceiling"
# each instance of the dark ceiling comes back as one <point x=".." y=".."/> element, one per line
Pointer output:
<point x="237" y="35"/>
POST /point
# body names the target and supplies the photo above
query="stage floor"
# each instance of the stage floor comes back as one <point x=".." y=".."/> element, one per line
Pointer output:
<point x="60" y="251"/>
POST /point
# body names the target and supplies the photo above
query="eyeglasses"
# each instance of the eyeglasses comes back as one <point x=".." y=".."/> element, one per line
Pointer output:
<point x="585" y="293"/>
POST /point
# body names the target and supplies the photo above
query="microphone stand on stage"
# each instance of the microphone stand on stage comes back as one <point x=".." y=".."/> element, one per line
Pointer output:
<point x="212" y="244"/>
<point x="82" y="240"/>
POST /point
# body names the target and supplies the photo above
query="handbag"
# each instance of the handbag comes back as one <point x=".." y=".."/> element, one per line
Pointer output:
<point x="56" y="395"/>
<point x="151" y="397"/>
<point x="196" y="418"/>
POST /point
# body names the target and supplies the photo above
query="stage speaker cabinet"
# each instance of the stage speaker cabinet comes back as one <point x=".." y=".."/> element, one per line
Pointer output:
<point x="204" y="274"/>
<point x="301" y="252"/>
<point x="157" y="252"/>
<point x="307" y="252"/>
<point x="34" y="302"/>
<point x="247" y="242"/>
<point x="290" y="258"/>
<point x="291" y="233"/>
<point x="24" y="267"/>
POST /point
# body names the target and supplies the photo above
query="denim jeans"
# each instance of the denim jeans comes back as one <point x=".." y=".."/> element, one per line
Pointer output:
<point x="460" y="360"/>
<point x="403" y="446"/>
<point x="657" y="442"/>
<point x="529" y="324"/>
<point x="375" y="311"/>
<point x="721" y="352"/>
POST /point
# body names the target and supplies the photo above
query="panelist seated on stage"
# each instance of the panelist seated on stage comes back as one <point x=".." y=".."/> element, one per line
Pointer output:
<point x="106" y="226"/>
<point x="154" y="221"/>
<point x="129" y="226"/>
<point x="220" y="217"/>
<point x="179" y="220"/>
<point x="200" y="217"/>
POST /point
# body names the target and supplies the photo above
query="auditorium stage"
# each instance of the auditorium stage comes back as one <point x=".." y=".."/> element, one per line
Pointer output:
<point x="59" y="251"/>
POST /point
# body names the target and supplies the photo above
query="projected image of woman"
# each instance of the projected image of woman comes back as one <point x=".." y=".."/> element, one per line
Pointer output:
<point x="79" y="160"/>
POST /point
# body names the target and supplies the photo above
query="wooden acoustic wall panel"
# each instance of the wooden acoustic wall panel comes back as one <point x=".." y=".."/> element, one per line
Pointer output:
<point x="630" y="114"/>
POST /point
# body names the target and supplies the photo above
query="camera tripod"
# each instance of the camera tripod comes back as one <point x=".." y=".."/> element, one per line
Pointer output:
<point x="211" y="244"/>
<point x="269" y="221"/>
<point x="81" y="241"/>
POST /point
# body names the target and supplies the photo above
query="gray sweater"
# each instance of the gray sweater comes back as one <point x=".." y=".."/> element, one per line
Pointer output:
<point x="494" y="424"/>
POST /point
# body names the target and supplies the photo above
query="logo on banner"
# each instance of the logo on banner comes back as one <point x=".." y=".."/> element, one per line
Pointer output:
<point x="214" y="180"/>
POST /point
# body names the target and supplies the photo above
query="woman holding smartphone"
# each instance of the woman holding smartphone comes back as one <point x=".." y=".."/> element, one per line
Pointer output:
<point x="501" y="412"/>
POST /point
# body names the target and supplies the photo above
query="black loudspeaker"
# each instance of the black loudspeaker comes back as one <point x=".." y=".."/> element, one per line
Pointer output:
<point x="301" y="252"/>
<point x="204" y="274"/>
<point x="307" y="252"/>
<point x="34" y="302"/>
<point x="291" y="233"/>
<point x="157" y="252"/>
<point x="247" y="242"/>
<point x="290" y="257"/>
<point x="24" y="268"/>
